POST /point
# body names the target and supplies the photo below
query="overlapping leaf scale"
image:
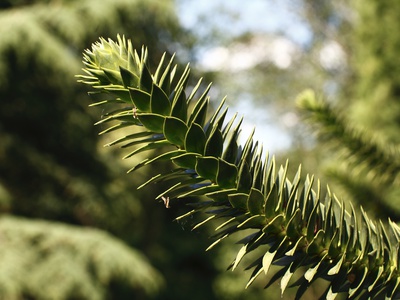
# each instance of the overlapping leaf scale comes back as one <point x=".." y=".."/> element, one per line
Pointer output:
<point x="300" y="229"/>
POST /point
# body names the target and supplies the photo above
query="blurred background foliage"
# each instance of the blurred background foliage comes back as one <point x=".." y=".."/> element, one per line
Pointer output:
<point x="74" y="219"/>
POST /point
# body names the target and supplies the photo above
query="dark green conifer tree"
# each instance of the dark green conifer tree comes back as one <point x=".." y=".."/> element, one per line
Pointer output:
<point x="52" y="167"/>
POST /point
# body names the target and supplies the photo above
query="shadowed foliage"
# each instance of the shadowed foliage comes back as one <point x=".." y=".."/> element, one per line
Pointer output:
<point x="67" y="262"/>
<point x="50" y="168"/>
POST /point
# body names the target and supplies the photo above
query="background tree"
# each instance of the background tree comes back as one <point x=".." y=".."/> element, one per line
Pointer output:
<point x="368" y="105"/>
<point x="67" y="262"/>
<point x="52" y="167"/>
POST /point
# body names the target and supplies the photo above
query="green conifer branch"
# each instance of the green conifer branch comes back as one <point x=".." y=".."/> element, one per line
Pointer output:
<point x="382" y="161"/>
<point x="298" y="227"/>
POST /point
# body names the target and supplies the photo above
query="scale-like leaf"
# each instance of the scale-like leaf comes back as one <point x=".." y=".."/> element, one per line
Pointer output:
<point x="179" y="105"/>
<point x="255" y="202"/>
<point x="227" y="174"/>
<point x="146" y="81"/>
<point x="214" y="143"/>
<point x="271" y="202"/>
<point x="255" y="222"/>
<point x="207" y="167"/>
<point x="310" y="273"/>
<point x="239" y="200"/>
<point x="195" y="140"/>
<point x="159" y="102"/>
<point x="294" y="226"/>
<point x="199" y="112"/>
<point x="242" y="252"/>
<point x="141" y="99"/>
<point x="128" y="78"/>
<point x="186" y="160"/>
<point x="153" y="122"/>
<point x="274" y="226"/>
<point x="175" y="130"/>
<point x="267" y="260"/>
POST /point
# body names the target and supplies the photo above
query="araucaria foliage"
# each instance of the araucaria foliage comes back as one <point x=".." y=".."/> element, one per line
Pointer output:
<point x="298" y="227"/>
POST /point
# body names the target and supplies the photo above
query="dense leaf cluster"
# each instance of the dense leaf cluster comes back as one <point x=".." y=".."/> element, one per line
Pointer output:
<point x="296" y="226"/>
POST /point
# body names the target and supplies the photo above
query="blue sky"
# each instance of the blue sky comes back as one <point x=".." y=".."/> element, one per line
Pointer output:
<point x="233" y="17"/>
<point x="240" y="16"/>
